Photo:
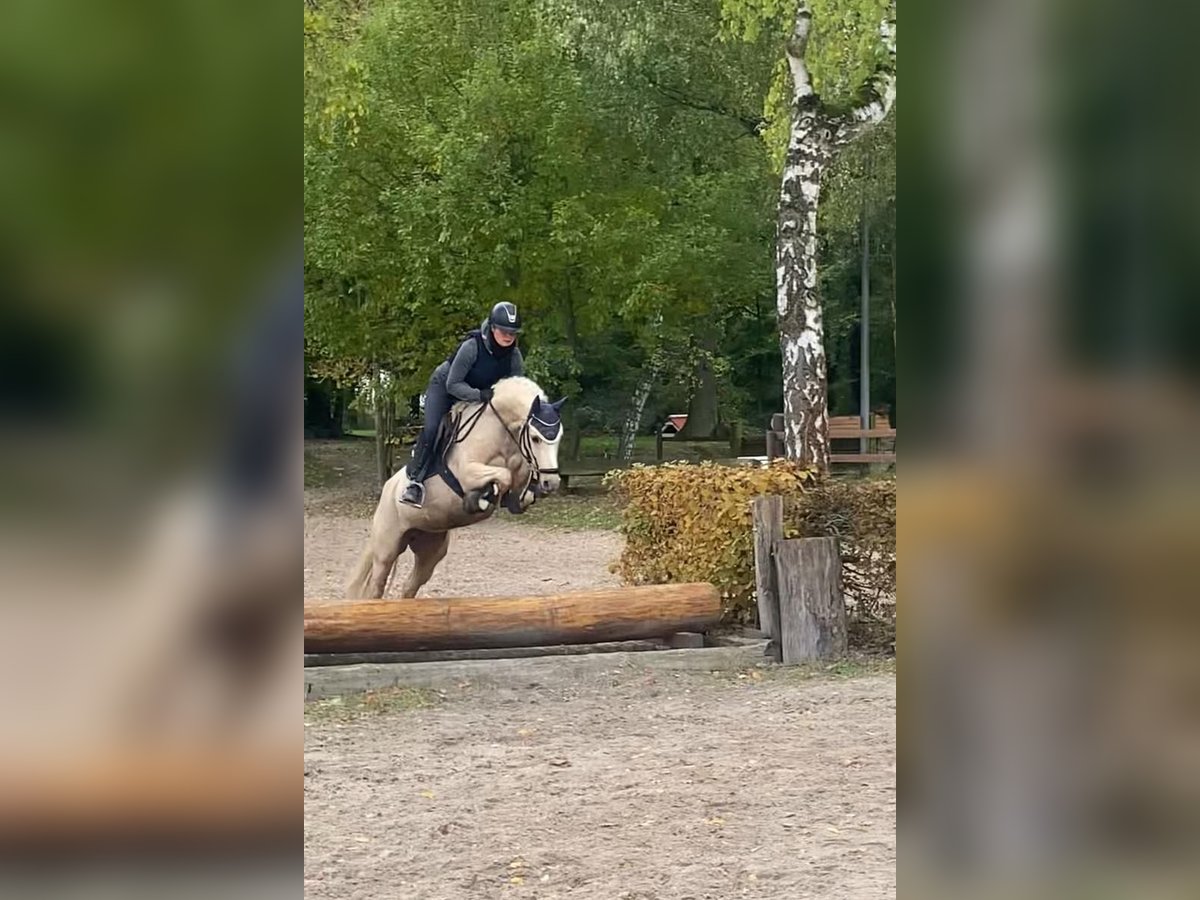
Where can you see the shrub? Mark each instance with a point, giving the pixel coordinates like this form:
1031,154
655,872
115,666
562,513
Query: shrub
686,522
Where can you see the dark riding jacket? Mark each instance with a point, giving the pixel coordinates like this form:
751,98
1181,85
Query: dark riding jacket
479,362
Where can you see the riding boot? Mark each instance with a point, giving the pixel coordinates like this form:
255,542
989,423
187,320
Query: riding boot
417,471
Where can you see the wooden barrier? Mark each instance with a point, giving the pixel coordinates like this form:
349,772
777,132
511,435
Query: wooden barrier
617,614
767,515
798,585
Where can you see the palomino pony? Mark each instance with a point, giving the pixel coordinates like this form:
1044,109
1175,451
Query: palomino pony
502,451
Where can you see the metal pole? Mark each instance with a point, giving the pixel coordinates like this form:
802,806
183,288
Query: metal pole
864,349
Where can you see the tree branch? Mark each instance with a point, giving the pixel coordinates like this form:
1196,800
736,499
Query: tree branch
754,125
877,94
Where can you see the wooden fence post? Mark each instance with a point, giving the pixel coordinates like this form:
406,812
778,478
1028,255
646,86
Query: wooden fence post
812,611
774,445
767,513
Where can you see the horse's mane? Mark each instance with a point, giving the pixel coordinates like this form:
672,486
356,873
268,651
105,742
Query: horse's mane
512,398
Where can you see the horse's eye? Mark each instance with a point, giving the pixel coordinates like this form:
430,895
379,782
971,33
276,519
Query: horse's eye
536,439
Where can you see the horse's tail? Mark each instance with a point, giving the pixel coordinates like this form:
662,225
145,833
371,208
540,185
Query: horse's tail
356,587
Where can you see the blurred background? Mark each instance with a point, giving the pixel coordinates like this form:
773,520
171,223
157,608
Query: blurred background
151,360
150,405
1049,721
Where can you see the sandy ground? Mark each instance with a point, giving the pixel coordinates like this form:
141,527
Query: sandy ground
628,785
654,786
500,557
495,558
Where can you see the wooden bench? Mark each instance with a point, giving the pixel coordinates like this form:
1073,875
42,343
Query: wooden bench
844,428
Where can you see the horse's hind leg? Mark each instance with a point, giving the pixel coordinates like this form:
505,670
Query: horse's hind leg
429,548
388,539
383,560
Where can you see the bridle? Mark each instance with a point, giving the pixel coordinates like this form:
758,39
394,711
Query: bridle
524,441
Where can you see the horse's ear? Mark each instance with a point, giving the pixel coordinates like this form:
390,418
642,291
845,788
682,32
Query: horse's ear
557,406
537,405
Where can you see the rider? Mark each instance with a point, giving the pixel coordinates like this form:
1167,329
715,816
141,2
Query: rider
488,354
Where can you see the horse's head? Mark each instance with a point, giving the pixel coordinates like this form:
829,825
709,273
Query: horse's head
545,430
531,418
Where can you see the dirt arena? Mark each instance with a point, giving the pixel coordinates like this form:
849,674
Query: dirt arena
629,783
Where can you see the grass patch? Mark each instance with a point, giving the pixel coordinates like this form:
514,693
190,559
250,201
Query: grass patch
608,444
371,703
605,446
593,510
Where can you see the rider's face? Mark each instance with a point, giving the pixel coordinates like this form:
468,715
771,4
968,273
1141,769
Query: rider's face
503,338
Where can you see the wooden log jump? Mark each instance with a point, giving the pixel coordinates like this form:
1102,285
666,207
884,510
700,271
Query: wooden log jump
585,617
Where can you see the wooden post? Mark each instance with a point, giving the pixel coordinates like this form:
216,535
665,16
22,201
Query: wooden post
768,531
658,443
776,448
735,439
812,612
774,445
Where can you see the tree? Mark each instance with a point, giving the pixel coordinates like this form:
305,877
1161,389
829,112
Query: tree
601,164
818,128
692,103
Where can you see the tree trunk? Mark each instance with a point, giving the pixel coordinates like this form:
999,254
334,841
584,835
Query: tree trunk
382,465
571,419
812,611
323,406
702,408
801,323
637,406
815,134
389,449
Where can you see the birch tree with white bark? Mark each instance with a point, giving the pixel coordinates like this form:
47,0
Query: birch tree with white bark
818,126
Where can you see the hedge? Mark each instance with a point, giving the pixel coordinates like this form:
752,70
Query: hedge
685,522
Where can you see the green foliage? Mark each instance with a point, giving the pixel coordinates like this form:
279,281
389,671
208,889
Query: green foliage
600,164
843,50
693,523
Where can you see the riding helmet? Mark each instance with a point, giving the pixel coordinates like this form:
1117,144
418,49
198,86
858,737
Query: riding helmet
504,316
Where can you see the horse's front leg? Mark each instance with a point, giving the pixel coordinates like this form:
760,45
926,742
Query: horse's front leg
483,487
517,504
